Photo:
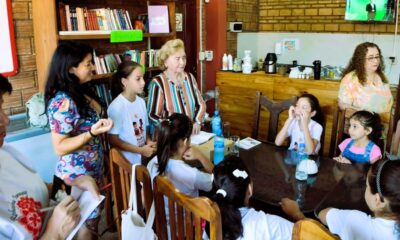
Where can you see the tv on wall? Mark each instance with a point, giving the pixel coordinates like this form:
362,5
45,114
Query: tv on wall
370,10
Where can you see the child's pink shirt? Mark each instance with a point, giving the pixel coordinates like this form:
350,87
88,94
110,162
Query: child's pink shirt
375,152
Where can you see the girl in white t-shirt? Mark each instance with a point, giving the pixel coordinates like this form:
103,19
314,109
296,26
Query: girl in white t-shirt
234,189
303,126
173,153
382,195
128,111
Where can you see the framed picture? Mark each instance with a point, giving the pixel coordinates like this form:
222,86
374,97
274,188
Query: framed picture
8,60
179,22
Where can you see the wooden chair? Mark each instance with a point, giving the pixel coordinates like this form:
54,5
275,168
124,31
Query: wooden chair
185,213
341,118
310,229
121,170
275,109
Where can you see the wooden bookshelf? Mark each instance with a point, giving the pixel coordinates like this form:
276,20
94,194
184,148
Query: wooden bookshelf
47,35
108,75
87,35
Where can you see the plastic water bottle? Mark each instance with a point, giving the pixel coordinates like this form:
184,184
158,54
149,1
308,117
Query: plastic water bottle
302,154
219,148
216,124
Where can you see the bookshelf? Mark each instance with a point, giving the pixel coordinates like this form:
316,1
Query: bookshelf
47,30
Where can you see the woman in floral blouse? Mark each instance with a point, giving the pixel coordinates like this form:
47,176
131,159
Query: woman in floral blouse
365,86
74,112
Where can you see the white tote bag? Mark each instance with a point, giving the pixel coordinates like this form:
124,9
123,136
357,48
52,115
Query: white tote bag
133,226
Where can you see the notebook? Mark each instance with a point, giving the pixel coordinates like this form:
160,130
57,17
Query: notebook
201,137
248,143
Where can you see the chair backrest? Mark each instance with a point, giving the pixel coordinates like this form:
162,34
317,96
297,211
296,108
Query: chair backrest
121,170
185,213
310,229
275,109
340,127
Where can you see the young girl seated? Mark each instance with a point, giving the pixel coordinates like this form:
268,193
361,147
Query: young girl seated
173,149
233,191
365,129
128,111
383,199
304,125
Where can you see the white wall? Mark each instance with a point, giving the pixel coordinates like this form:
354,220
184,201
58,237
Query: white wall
331,49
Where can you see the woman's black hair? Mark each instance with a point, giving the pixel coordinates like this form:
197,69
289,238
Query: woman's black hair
123,71
67,55
314,103
370,120
383,178
5,85
176,127
236,189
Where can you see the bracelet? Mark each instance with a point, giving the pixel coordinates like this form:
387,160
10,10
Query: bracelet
91,134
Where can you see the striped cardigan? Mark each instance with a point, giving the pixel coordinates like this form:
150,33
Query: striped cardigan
166,98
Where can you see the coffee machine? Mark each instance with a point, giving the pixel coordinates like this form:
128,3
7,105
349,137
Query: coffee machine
270,63
317,69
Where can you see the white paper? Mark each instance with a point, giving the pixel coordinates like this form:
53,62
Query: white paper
248,143
87,203
201,137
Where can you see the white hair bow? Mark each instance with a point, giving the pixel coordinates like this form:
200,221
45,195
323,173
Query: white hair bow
240,173
222,192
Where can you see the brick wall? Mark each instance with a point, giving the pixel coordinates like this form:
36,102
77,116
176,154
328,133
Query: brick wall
25,81
312,16
245,11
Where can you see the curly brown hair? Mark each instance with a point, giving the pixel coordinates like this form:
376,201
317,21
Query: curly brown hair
357,63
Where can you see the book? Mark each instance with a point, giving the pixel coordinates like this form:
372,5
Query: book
158,19
201,137
248,143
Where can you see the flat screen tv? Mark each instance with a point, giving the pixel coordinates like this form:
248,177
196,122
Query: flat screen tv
370,10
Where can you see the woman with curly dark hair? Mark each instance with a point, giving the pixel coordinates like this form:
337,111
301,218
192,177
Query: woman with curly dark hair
364,85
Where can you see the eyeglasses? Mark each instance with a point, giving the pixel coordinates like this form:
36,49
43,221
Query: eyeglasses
370,59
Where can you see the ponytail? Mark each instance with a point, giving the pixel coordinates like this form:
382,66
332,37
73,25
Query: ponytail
176,127
231,181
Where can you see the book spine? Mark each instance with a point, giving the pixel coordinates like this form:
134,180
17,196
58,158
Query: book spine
121,18
68,17
128,18
63,18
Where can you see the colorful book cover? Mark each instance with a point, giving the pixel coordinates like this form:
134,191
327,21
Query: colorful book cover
158,19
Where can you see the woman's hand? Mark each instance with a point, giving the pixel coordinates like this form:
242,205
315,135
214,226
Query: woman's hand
101,126
304,118
196,128
291,208
147,150
86,183
342,159
65,217
291,113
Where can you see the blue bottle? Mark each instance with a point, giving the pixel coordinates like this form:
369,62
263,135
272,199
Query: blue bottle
219,148
216,123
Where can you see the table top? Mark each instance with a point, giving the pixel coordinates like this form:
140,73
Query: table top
272,170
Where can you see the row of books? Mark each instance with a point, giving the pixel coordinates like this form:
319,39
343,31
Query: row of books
108,63
104,93
83,19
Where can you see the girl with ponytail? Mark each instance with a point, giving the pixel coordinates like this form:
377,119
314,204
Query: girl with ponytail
233,191
173,153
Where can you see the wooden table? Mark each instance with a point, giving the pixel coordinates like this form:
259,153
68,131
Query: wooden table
348,193
274,178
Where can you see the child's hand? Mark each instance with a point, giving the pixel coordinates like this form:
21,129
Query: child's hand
84,182
342,159
291,112
147,150
192,154
304,118
291,208
152,144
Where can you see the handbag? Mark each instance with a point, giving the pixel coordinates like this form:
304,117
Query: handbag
133,225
